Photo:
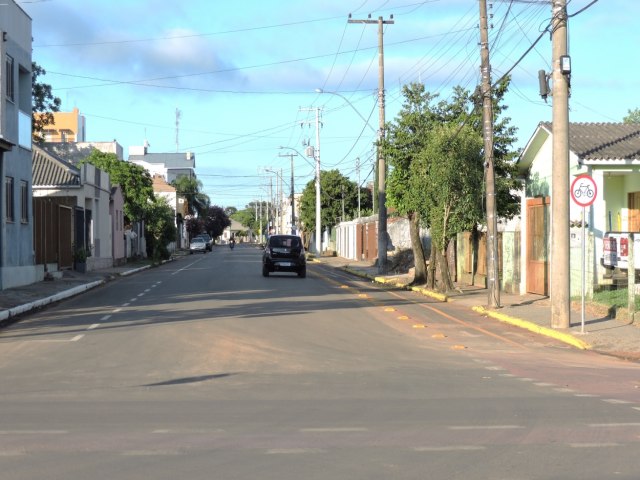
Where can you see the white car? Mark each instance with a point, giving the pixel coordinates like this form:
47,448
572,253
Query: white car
198,245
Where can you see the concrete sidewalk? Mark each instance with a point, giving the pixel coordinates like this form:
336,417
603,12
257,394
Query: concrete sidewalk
603,334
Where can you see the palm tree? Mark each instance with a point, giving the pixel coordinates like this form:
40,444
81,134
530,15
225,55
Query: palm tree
190,189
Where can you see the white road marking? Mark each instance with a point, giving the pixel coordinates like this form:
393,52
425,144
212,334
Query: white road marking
292,451
76,338
525,379
506,375
564,390
450,448
615,401
117,310
124,305
132,300
494,368
147,290
484,427
94,326
105,318
334,430
608,425
33,432
140,295
151,453
587,395
543,384
593,445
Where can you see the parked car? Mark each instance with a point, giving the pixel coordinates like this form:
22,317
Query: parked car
284,253
197,245
207,240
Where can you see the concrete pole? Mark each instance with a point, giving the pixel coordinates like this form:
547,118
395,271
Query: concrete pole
560,287
318,212
493,273
382,167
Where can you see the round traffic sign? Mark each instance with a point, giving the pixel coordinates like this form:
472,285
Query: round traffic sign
584,190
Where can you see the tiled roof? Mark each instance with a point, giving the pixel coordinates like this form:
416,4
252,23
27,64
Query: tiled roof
603,141
51,171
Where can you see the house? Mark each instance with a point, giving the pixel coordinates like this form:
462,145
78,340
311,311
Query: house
235,230
162,189
168,165
17,266
610,154
72,211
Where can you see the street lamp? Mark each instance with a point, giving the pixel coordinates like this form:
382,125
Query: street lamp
320,90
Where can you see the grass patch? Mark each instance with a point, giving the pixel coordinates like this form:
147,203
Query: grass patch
614,298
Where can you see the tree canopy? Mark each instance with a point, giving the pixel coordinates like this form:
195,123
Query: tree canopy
338,200
135,181
191,190
633,116
44,103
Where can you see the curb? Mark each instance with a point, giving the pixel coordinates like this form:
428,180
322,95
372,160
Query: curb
535,328
518,322
9,313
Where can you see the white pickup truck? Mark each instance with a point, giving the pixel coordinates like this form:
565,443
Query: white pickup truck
615,250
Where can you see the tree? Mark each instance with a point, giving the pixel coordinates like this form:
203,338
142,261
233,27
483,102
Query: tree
215,221
44,103
160,229
633,116
135,181
338,201
452,198
191,190
404,141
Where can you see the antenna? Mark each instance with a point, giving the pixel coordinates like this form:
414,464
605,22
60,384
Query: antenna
178,115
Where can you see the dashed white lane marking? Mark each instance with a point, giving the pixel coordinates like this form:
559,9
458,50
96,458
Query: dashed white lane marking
564,390
292,451
94,326
484,427
543,384
105,318
615,401
334,430
151,453
587,395
510,375
609,425
76,338
133,300
593,445
147,290
450,448
636,408
33,432
141,295
11,453
126,304
525,379
117,310
494,368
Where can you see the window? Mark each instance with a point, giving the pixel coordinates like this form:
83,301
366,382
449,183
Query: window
8,188
24,202
9,72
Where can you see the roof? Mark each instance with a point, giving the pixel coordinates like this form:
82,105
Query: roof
603,141
51,171
169,160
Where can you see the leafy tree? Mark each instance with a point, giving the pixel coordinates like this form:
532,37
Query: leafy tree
135,181
160,229
451,202
215,221
230,211
404,141
191,190
250,216
44,103
633,116
194,226
338,201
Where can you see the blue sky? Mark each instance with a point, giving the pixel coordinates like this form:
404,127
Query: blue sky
243,74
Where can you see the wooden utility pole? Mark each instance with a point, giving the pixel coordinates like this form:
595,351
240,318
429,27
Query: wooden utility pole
493,272
560,272
382,167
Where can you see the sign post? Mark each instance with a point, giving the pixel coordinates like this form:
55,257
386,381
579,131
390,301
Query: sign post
583,192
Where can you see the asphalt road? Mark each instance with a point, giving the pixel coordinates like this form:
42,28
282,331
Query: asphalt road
204,369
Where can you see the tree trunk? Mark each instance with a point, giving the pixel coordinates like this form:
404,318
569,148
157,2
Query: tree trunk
445,275
420,276
431,272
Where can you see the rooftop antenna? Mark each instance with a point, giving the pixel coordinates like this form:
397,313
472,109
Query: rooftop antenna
178,115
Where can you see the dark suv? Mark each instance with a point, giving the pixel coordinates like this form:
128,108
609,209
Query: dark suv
284,253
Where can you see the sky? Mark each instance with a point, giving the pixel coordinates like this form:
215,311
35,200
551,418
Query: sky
236,83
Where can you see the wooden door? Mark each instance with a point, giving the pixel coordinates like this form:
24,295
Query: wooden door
537,245
633,203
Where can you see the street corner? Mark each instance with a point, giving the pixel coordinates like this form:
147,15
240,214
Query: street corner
564,337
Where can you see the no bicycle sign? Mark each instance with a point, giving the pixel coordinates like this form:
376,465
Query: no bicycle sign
584,190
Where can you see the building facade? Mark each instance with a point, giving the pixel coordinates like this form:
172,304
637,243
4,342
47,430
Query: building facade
17,264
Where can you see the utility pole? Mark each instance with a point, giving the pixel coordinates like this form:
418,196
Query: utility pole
316,156
493,273
293,214
382,167
358,172
559,285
